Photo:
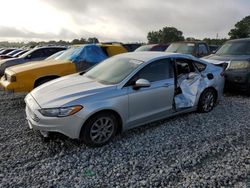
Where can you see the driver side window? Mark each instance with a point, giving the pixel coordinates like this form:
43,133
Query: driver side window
155,71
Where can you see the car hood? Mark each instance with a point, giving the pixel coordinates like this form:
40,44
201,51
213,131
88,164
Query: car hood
227,57
35,65
60,92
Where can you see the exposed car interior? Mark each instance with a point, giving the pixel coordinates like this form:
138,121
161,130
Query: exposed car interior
188,80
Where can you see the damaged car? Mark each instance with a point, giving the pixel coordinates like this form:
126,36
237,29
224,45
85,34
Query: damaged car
123,92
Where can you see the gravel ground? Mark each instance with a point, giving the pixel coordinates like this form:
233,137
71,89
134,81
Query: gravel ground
192,150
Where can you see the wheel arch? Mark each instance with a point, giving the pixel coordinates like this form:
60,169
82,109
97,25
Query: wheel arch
44,78
212,88
117,115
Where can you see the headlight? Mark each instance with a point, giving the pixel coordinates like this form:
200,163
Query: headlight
10,78
60,112
239,65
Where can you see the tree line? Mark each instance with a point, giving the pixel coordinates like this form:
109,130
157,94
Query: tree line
7,44
171,34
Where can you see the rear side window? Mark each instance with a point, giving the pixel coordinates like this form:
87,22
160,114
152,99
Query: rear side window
200,66
37,53
158,48
156,71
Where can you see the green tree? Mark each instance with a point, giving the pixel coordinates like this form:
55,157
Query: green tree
79,41
153,37
92,40
165,35
241,30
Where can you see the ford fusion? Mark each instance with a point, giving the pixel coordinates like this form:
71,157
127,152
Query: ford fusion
123,92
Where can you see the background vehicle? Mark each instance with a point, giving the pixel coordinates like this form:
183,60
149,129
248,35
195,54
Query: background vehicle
195,48
213,48
131,46
25,77
152,47
35,54
20,53
235,56
123,92
55,55
5,51
10,55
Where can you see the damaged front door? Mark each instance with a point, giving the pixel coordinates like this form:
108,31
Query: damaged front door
188,84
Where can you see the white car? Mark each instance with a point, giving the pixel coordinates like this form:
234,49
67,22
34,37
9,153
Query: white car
123,92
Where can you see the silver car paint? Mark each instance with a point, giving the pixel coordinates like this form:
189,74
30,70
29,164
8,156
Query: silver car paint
135,107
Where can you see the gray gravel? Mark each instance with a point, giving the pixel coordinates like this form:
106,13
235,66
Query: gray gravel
192,150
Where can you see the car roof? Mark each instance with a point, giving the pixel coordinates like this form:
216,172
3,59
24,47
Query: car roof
197,41
150,55
45,47
238,40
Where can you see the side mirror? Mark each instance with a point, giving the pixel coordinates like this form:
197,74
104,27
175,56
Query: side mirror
141,83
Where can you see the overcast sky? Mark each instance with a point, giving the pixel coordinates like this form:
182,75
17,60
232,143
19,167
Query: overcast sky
116,20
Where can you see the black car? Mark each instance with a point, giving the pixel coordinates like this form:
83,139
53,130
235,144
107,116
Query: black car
6,51
36,54
235,56
152,47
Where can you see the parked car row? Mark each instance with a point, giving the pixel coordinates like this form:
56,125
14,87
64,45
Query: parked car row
104,91
25,77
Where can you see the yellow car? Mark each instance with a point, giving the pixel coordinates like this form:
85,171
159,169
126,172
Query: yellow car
25,77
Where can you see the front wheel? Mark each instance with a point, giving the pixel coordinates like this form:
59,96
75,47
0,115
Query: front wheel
207,101
99,129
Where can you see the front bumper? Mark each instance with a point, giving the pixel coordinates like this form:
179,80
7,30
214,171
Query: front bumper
11,87
69,126
237,80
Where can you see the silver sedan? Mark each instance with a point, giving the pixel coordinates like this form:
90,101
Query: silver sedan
124,92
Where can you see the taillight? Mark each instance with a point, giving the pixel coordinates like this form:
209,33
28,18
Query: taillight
222,74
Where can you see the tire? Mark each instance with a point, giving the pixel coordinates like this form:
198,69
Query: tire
207,101
93,131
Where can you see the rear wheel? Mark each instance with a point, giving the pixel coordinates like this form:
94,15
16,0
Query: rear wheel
99,129
207,101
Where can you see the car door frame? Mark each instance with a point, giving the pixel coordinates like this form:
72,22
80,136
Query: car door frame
153,117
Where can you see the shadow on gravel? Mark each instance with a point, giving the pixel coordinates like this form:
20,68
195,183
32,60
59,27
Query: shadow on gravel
233,93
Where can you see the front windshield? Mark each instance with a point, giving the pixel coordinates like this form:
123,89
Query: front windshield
183,48
69,54
113,70
235,48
